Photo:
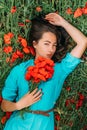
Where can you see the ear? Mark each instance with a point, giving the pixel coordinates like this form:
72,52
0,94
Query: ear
34,44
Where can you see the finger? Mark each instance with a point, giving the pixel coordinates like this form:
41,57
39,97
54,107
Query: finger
38,98
52,22
34,91
50,19
38,93
49,15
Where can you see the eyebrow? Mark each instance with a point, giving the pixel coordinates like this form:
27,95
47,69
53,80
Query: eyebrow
50,42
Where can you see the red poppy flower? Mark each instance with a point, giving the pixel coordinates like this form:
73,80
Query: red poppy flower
19,38
7,49
32,51
13,9
7,38
79,104
21,24
3,119
10,34
72,100
8,114
19,53
68,88
1,99
81,96
38,9
16,55
27,21
7,59
57,117
78,13
23,42
26,50
69,11
67,103
43,61
84,10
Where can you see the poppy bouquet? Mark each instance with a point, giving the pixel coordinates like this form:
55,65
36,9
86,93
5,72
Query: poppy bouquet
40,72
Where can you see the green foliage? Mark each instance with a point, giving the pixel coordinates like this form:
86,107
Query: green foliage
70,117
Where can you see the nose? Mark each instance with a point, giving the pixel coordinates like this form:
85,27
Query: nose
51,50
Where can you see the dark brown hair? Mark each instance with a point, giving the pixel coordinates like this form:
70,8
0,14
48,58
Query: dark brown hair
39,26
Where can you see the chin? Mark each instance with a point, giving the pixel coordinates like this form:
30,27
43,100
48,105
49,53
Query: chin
48,57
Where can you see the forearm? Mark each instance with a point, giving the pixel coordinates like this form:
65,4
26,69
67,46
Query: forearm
8,106
75,34
27,100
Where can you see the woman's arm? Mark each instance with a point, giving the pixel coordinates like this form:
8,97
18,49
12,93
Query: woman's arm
27,100
76,35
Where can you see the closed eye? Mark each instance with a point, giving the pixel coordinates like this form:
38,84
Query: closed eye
46,43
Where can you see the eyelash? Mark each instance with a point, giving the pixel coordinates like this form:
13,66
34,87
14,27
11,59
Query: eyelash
48,44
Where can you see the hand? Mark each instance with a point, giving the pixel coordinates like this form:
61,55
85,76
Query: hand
29,99
55,19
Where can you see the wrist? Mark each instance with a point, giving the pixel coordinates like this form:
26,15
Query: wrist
17,105
64,24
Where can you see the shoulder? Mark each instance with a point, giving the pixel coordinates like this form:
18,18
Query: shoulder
22,66
71,60
68,63
26,64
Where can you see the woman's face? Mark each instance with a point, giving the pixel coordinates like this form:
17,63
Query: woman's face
46,46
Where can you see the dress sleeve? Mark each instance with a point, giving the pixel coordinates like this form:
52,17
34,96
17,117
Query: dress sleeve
9,91
69,63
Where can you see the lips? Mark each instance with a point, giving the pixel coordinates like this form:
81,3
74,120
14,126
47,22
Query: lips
49,55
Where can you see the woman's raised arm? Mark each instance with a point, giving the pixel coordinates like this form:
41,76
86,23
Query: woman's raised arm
75,34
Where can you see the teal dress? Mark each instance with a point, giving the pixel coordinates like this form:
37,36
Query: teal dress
16,87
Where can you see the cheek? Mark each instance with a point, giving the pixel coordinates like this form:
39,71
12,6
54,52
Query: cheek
54,49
